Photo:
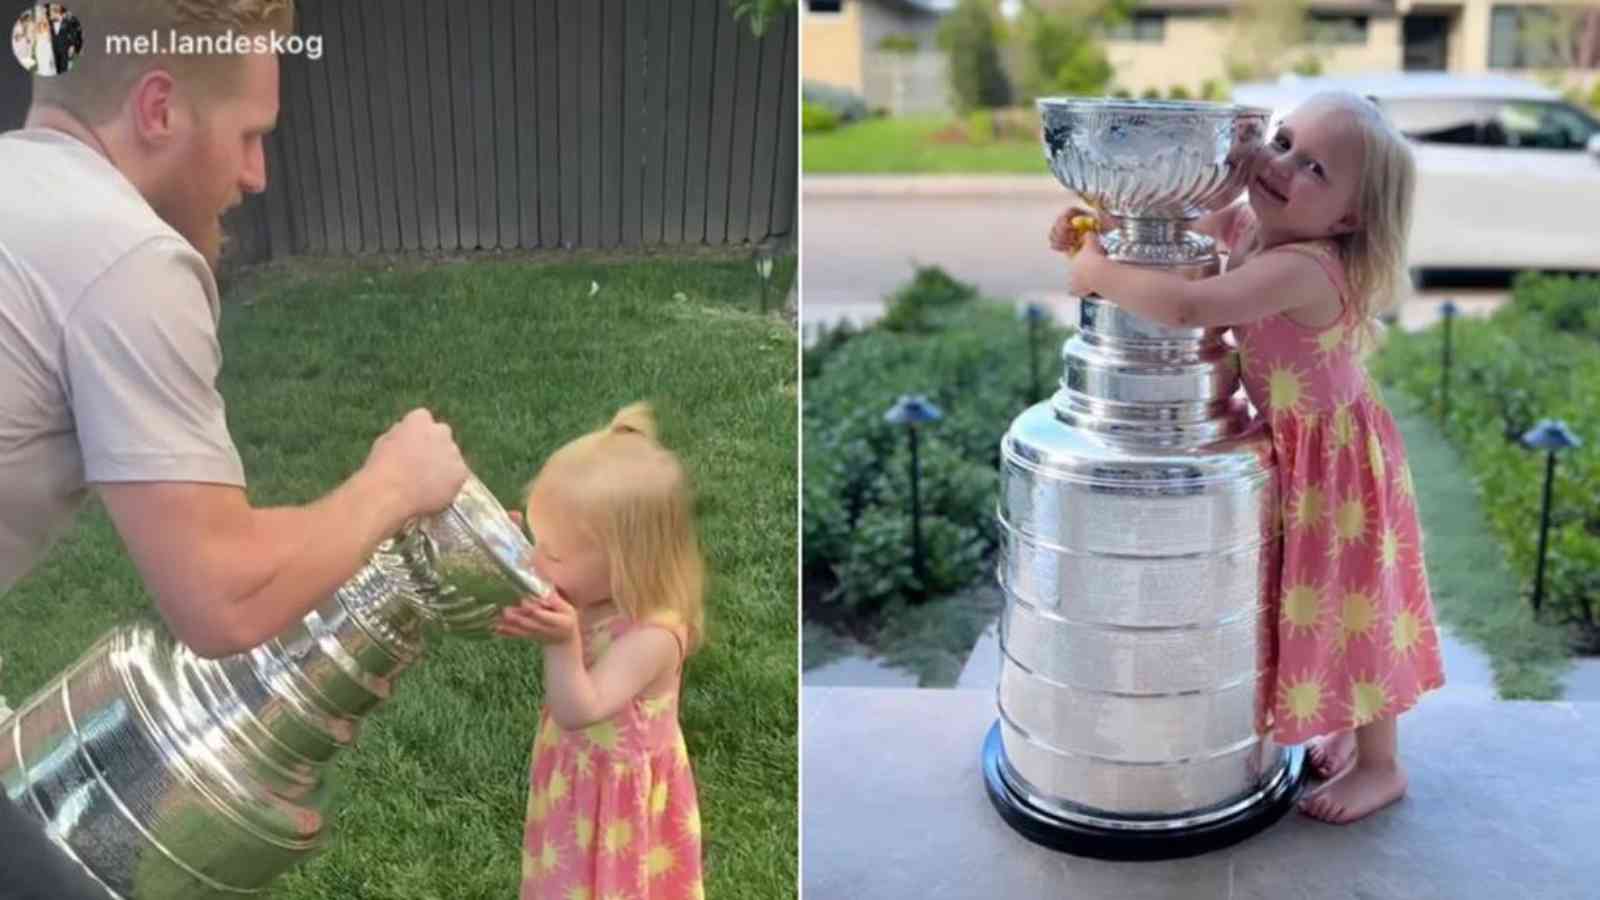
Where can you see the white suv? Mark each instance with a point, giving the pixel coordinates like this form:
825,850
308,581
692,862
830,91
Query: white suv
1508,172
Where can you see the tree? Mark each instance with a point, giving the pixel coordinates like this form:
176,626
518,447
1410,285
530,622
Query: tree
1563,37
969,36
1061,47
1262,34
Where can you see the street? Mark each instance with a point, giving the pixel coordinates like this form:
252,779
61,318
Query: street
861,237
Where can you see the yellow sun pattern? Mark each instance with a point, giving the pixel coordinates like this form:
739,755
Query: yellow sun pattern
1341,430
653,707
604,734
1358,615
1408,489
557,788
549,857
1375,457
579,892
1285,391
1328,343
658,798
1389,549
1405,632
583,831
659,861
1302,608
691,822
618,835
1368,699
1349,524
1302,699
1307,508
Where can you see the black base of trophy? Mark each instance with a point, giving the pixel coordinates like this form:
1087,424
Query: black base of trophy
1137,844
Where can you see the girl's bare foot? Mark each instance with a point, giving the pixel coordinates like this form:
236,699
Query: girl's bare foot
1364,791
1330,756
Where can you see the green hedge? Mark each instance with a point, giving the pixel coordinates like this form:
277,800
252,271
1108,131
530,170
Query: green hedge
971,359
1537,357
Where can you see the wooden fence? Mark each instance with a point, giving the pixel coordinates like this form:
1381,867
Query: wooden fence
500,124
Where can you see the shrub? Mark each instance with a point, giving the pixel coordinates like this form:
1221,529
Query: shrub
1061,54
1178,92
1594,96
899,43
1508,372
980,127
844,103
817,118
930,289
1211,89
969,34
970,359
1566,303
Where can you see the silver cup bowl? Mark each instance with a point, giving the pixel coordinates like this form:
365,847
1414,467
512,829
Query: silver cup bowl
1153,165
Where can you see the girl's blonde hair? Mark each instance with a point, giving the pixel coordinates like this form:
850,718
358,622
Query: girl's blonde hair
1374,255
633,495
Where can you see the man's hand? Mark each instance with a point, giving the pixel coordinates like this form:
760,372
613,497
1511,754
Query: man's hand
419,459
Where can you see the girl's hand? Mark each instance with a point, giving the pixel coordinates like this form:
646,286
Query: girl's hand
1066,235
550,620
1083,274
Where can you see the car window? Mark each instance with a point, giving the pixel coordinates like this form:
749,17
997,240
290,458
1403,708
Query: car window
1536,124
1545,126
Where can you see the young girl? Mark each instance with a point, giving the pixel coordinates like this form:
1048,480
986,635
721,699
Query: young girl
612,809
1318,251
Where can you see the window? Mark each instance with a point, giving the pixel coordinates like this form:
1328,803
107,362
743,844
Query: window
1330,28
1530,124
1146,28
825,7
1535,37
1539,125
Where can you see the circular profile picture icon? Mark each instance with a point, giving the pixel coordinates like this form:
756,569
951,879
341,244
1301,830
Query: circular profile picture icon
47,39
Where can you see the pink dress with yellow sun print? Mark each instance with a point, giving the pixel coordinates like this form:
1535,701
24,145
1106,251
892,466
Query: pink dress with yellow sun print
1356,637
612,809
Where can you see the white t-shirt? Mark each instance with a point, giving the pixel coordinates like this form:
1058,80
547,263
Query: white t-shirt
108,344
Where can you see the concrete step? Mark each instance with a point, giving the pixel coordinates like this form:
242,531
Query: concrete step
1500,805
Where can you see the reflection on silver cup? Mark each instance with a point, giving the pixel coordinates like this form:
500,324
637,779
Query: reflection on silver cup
171,776
1138,508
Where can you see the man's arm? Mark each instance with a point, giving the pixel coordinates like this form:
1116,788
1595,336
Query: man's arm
227,577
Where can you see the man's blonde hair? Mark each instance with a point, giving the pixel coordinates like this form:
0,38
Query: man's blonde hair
98,84
632,495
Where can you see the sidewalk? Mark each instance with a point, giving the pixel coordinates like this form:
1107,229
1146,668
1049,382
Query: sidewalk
1499,807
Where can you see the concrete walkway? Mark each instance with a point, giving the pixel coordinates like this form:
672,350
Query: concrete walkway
1500,806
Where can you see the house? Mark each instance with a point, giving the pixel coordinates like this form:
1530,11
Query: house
1185,43
839,38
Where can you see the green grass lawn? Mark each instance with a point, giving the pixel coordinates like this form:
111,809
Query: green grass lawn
905,145
323,355
1474,590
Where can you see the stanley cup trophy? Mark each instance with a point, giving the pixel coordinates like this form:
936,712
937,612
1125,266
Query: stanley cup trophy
171,776
1138,509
